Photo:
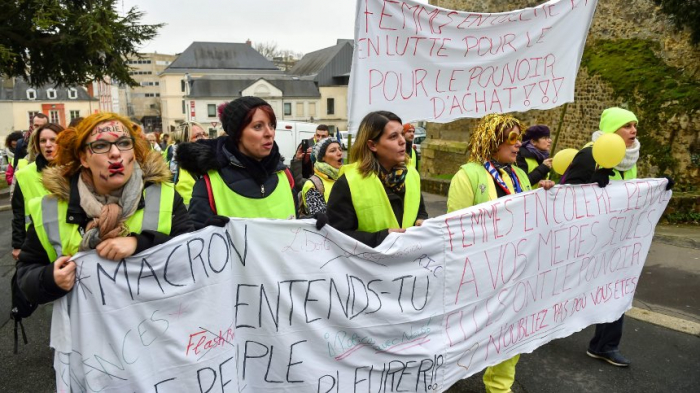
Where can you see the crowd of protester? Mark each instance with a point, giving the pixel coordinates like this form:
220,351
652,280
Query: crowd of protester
87,187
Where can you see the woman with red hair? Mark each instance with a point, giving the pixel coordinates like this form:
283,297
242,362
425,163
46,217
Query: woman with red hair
242,174
107,192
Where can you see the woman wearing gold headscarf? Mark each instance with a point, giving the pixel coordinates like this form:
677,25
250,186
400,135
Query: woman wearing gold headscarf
490,174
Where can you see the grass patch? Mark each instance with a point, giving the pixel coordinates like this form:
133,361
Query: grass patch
655,91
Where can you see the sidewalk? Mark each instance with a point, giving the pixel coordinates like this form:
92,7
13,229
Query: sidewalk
5,199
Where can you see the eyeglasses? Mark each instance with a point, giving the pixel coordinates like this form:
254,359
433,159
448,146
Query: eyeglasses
102,147
514,137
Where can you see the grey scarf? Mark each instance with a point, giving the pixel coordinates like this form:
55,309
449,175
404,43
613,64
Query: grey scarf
108,212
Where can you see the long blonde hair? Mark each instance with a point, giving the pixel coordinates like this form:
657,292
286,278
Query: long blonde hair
187,130
371,129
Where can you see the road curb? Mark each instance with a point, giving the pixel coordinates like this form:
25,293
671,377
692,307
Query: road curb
677,241
666,321
5,208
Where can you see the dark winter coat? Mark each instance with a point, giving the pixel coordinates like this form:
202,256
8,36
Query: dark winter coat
537,174
200,157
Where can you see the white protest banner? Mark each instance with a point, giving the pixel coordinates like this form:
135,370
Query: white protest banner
263,305
430,63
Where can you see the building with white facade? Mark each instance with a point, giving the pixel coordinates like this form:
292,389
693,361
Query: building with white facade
211,60
19,102
329,69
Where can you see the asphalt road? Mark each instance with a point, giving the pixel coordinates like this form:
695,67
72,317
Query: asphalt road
663,360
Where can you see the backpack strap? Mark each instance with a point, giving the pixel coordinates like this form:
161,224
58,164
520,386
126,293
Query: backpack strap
212,202
289,176
318,183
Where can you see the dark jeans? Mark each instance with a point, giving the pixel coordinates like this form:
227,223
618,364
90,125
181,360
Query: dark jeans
607,337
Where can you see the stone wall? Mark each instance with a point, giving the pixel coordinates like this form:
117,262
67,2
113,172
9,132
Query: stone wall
446,147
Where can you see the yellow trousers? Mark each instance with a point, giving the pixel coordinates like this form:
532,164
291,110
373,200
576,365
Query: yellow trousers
500,378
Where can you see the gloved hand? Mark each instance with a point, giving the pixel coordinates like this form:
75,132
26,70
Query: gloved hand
217,221
321,220
602,177
670,183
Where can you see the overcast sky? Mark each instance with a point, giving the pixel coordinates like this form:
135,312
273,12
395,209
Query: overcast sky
297,25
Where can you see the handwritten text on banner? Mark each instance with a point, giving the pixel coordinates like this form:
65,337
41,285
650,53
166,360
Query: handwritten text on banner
264,305
429,63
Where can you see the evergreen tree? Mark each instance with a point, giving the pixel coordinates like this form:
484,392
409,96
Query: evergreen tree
68,42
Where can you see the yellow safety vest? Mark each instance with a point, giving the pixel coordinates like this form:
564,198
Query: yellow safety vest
413,160
327,186
372,205
483,184
62,238
184,186
29,181
21,163
279,204
532,164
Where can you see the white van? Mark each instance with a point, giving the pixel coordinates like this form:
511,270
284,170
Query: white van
289,135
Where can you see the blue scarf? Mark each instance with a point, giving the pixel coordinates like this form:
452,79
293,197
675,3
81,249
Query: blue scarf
493,169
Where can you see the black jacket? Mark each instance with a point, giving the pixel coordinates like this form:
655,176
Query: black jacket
307,167
200,157
18,231
295,166
537,174
20,151
342,216
35,271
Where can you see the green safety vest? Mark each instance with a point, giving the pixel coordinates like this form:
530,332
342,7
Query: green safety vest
279,204
372,205
413,161
62,238
483,184
21,163
29,181
532,164
327,185
629,174
184,186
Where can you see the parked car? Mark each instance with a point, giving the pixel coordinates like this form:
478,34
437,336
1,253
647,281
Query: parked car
343,139
289,135
416,142
421,134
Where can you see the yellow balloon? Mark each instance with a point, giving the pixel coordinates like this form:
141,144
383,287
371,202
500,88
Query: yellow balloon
562,160
609,150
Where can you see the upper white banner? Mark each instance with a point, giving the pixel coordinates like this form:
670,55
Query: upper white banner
276,305
429,63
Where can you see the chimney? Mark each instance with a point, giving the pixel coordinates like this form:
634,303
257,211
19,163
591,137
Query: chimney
248,42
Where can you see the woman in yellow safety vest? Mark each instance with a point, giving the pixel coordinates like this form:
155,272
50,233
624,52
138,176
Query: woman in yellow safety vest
242,174
376,193
490,174
184,181
533,156
327,157
108,192
605,344
28,181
